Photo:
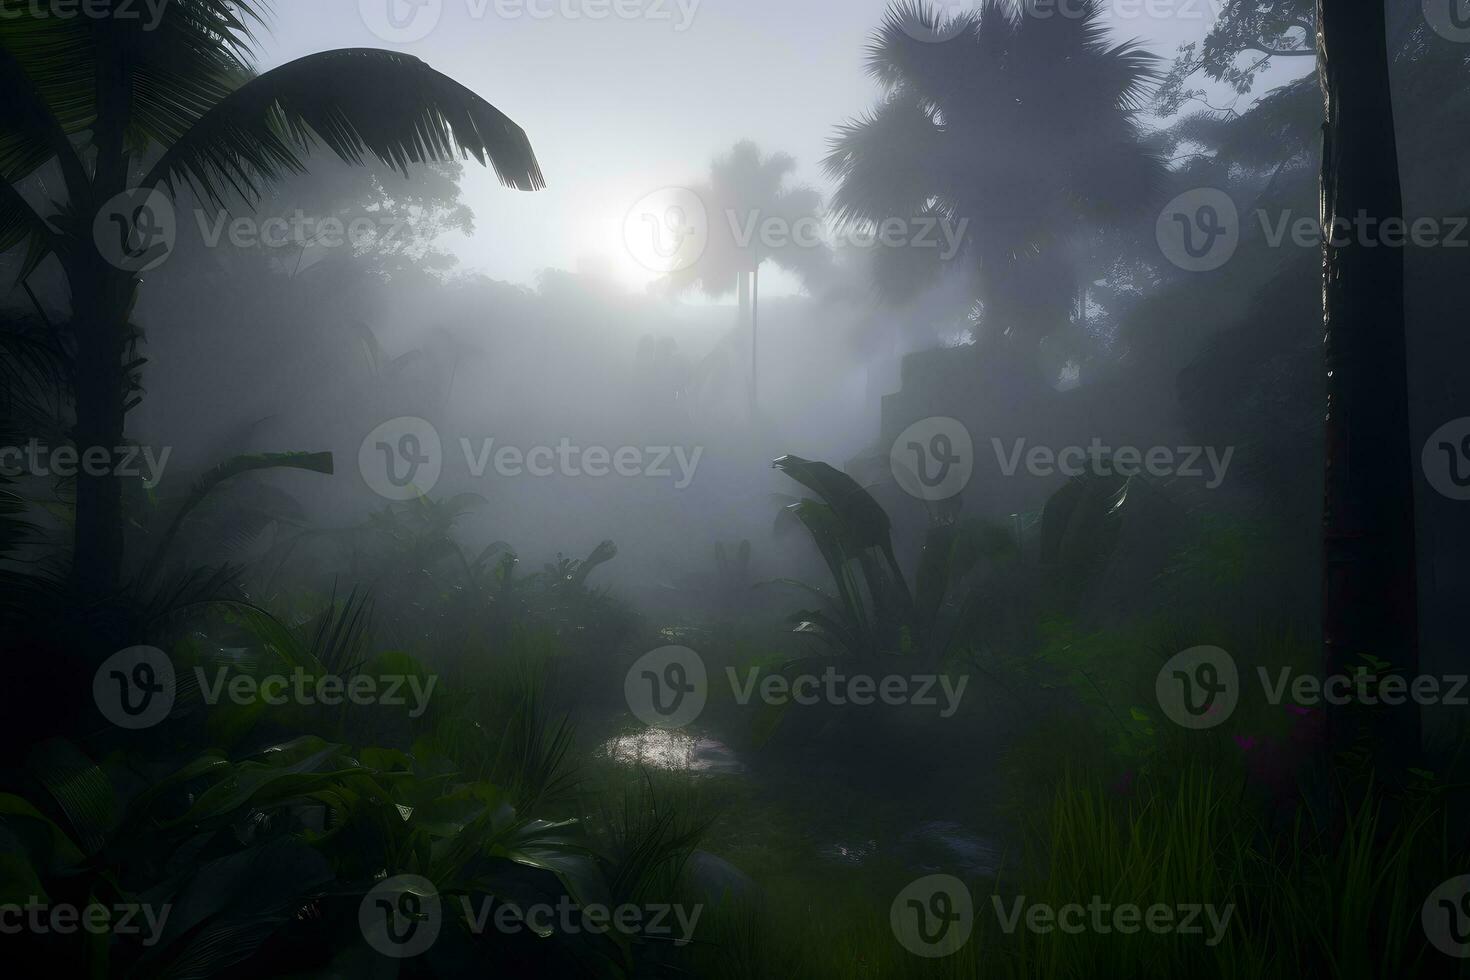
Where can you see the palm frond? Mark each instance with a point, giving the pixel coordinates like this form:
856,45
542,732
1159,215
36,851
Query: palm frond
48,70
1022,127
918,43
356,101
884,161
314,462
19,222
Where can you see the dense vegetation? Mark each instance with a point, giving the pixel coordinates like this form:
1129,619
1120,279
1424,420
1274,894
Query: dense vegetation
188,750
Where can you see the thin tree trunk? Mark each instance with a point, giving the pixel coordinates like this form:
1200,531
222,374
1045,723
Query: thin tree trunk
101,392
755,282
1369,595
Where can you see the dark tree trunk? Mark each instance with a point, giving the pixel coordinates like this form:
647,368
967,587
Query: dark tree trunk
102,302
1369,602
101,393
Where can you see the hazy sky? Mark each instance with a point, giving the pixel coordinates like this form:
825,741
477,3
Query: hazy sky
623,97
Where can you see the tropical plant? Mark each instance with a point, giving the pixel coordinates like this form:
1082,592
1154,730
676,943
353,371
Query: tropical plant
875,612
260,847
1078,531
210,480
243,849
409,556
1260,29
496,720
130,113
746,190
56,636
34,367
1017,131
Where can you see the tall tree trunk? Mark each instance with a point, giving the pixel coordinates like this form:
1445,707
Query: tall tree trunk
102,302
1369,600
742,293
101,392
755,292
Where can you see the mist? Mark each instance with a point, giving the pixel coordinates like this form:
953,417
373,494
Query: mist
644,488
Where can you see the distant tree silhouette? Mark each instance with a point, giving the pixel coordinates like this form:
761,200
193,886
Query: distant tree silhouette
745,194
1258,29
1023,127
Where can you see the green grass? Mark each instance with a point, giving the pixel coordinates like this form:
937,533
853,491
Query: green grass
1312,901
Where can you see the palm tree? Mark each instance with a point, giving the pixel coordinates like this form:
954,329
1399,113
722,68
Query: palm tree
106,114
1015,130
745,194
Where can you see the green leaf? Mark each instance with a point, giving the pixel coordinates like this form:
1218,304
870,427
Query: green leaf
862,520
79,787
247,463
32,847
356,101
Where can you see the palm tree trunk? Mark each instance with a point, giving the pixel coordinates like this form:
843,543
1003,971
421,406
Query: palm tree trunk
742,293
101,392
755,282
1369,600
102,302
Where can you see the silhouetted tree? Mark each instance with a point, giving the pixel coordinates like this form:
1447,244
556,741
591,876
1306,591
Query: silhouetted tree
1016,130
1258,29
119,106
754,217
1368,512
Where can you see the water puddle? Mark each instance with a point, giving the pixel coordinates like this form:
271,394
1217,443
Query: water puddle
679,751
853,853
941,845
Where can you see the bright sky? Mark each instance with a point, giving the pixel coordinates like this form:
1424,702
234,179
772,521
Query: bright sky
624,97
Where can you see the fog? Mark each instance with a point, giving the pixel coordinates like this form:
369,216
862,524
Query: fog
847,485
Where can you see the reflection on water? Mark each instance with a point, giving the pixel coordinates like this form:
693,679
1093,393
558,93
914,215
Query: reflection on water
940,845
851,853
666,749
932,846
